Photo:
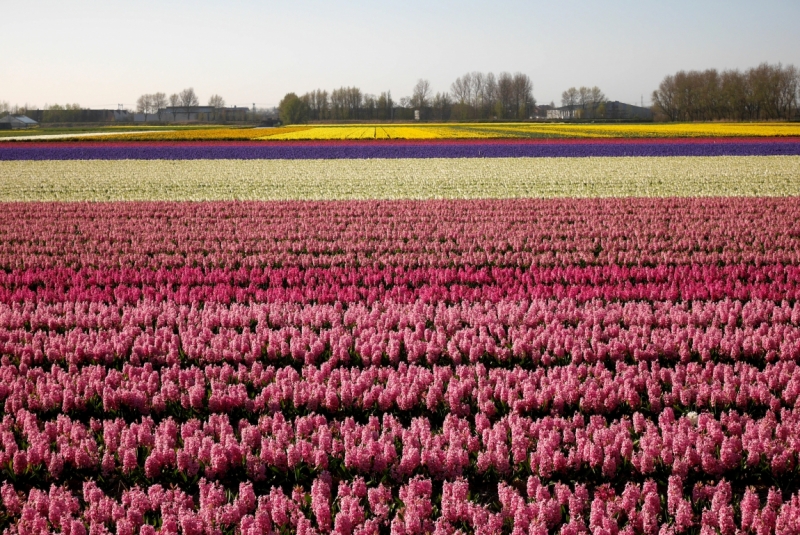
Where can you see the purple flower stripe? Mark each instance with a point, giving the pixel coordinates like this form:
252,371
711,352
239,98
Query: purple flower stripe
364,151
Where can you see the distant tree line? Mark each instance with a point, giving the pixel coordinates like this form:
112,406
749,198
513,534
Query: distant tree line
346,103
474,96
151,103
154,103
57,113
483,96
766,92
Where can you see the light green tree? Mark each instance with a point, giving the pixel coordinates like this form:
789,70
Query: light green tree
292,110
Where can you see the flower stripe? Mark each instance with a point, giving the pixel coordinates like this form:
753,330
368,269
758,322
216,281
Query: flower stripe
305,151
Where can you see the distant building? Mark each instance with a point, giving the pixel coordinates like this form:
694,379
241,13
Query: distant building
540,111
606,110
620,110
191,114
170,114
80,116
564,112
15,121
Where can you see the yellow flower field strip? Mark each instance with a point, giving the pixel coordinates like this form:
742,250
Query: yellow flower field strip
538,130
322,133
646,130
434,178
467,131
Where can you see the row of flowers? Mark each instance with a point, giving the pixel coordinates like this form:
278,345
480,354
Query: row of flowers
178,364
456,131
417,507
36,143
517,130
737,446
462,390
469,131
191,135
508,333
400,178
405,234
186,286
214,151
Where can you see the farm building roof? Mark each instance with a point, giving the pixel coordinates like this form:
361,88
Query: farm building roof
13,118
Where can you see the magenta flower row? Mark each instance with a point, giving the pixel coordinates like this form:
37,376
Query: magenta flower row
187,286
406,234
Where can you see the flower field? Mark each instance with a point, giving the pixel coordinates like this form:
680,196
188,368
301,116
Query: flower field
202,180
463,131
363,337
551,130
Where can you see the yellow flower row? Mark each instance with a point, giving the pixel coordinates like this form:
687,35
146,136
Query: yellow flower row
644,130
471,131
389,132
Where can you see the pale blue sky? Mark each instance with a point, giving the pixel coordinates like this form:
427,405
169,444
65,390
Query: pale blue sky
100,53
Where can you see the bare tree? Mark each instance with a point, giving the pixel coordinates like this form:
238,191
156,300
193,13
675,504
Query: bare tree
337,104
159,101
355,99
345,103
461,88
523,96
596,98
421,95
569,98
383,108
216,101
369,106
766,92
584,98
317,104
665,98
505,93
441,107
478,91
174,100
322,104
144,104
490,95
480,95
189,98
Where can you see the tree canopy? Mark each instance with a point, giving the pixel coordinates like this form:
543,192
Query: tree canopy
292,110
